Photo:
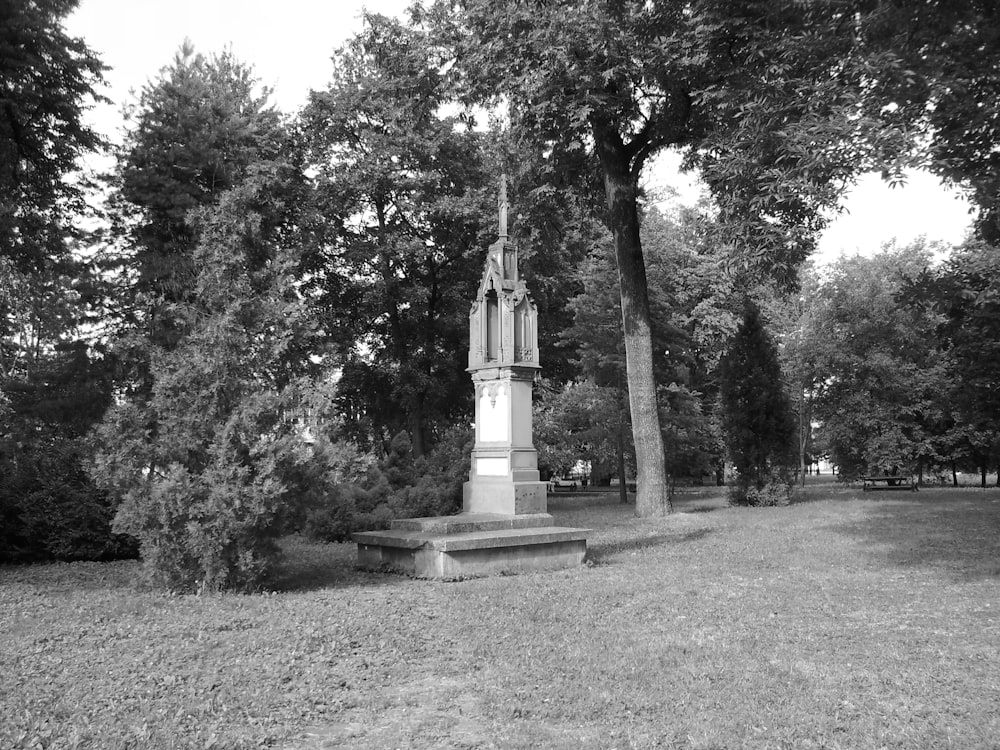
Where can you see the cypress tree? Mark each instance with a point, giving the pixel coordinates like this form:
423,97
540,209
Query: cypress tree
756,412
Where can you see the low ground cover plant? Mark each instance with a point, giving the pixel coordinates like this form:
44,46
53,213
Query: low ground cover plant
838,621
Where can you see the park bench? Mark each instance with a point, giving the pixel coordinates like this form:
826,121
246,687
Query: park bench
891,483
567,483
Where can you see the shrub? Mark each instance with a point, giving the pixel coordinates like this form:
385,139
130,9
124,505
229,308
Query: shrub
50,509
399,487
208,513
209,521
776,490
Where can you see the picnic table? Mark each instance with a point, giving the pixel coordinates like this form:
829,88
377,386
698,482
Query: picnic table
892,482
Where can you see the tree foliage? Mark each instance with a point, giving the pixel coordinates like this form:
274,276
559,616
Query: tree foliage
53,382
676,287
196,131
879,373
401,193
937,81
960,298
209,468
47,80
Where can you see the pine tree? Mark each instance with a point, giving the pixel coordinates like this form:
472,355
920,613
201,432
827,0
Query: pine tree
196,131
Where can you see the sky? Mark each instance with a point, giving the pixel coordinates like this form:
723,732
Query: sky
290,42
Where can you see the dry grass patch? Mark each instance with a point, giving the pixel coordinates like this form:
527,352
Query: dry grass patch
844,621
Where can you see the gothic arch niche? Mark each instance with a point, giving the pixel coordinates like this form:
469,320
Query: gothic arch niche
492,326
523,331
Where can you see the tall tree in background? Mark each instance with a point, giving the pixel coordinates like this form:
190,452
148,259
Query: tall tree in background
795,326
760,95
756,414
53,385
195,131
883,388
671,247
47,80
401,192
962,295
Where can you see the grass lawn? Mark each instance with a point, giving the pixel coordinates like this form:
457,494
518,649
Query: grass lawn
846,620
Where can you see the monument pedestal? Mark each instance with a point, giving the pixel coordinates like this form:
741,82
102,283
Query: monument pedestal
470,545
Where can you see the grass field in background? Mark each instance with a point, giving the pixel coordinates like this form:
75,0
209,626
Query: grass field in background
845,620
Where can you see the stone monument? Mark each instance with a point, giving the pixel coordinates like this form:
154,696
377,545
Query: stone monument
503,360
504,526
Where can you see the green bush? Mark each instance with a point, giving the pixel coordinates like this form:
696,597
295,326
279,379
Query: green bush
347,508
776,490
210,523
50,509
208,514
399,487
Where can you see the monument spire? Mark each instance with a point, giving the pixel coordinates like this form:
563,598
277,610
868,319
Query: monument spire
502,200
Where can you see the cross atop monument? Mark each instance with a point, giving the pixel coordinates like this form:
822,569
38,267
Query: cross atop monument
502,254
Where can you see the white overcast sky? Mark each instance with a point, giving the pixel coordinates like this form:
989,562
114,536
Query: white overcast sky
289,43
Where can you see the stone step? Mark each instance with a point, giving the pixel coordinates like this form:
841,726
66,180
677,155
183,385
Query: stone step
455,542
464,523
471,554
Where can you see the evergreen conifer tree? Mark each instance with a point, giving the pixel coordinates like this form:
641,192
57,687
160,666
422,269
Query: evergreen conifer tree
756,413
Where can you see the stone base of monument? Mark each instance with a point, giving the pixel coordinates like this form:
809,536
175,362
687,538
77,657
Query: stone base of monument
471,545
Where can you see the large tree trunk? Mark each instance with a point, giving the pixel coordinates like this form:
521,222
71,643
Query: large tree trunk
622,484
620,182
803,435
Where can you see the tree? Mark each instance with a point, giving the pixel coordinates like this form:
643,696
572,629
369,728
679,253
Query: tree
960,295
212,466
937,78
756,415
401,192
204,449
577,422
53,382
672,248
196,131
760,95
47,80
796,329
595,335
882,398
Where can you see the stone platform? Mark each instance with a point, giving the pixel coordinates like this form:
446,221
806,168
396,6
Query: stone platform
470,545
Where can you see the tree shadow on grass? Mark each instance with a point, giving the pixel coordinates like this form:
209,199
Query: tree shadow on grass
309,566
957,532
601,553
